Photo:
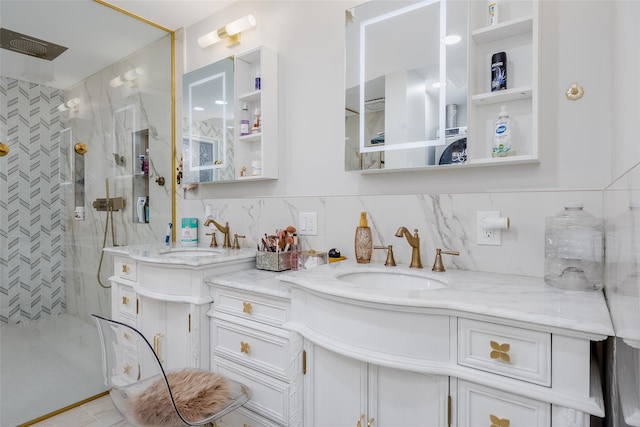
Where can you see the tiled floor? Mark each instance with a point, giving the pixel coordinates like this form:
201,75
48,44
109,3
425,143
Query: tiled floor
46,365
97,413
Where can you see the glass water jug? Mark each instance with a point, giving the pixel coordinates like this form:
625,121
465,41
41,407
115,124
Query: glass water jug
574,250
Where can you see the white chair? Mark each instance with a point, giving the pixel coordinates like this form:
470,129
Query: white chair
146,395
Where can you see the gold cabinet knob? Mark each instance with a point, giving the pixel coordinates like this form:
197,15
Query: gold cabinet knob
127,369
125,300
499,422
500,351
247,307
125,268
244,347
574,92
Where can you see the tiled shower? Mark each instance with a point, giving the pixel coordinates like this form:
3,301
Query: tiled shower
32,277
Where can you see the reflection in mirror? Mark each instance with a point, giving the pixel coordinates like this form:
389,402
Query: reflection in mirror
208,123
404,83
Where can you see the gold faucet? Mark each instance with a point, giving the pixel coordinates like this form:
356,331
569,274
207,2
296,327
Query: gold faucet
437,264
224,230
414,242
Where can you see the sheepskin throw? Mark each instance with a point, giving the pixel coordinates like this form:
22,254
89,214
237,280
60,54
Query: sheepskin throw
197,393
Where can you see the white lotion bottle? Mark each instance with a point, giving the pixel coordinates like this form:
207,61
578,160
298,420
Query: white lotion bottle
502,131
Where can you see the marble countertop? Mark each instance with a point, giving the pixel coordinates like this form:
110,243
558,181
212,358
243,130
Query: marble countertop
513,297
259,281
201,256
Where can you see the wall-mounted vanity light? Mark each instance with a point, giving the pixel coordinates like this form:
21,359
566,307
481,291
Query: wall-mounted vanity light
73,104
231,31
130,77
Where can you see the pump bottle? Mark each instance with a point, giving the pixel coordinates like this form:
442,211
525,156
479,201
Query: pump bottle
502,134
363,240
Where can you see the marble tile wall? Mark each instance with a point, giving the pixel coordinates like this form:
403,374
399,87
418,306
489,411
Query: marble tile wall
32,278
446,221
107,119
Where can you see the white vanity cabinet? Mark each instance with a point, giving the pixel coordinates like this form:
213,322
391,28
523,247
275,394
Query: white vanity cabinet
359,393
249,345
468,353
164,296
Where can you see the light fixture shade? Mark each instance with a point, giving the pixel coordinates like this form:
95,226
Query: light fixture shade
133,74
240,25
208,39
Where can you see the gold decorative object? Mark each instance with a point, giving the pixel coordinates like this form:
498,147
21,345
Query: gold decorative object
4,149
574,92
247,307
499,422
500,352
81,148
244,347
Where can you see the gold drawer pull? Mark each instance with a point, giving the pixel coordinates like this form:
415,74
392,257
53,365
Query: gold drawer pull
244,347
156,345
370,422
499,422
125,300
247,307
125,268
360,418
500,351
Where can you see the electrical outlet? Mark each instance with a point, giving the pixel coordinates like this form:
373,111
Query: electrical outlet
488,236
308,223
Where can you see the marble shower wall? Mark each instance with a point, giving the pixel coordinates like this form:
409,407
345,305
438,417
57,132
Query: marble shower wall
446,221
106,121
32,277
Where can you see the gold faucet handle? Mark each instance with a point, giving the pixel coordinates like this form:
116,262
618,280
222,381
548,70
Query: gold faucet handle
236,245
390,261
214,240
437,264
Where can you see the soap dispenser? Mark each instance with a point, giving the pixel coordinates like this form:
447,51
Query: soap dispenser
363,240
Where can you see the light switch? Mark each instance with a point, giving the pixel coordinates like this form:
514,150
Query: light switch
308,223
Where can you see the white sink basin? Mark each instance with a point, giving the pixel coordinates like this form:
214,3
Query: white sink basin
391,281
191,252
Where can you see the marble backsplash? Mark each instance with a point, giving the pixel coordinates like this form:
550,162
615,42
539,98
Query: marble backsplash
446,221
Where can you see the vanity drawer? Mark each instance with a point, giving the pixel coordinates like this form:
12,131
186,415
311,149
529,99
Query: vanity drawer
125,268
514,352
270,397
126,302
484,406
262,351
260,308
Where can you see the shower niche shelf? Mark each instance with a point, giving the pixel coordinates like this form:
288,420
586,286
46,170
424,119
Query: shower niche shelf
140,173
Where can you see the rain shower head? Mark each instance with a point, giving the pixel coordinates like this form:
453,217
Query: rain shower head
30,46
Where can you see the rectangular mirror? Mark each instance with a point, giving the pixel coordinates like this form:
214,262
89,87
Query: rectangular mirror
208,117
406,84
